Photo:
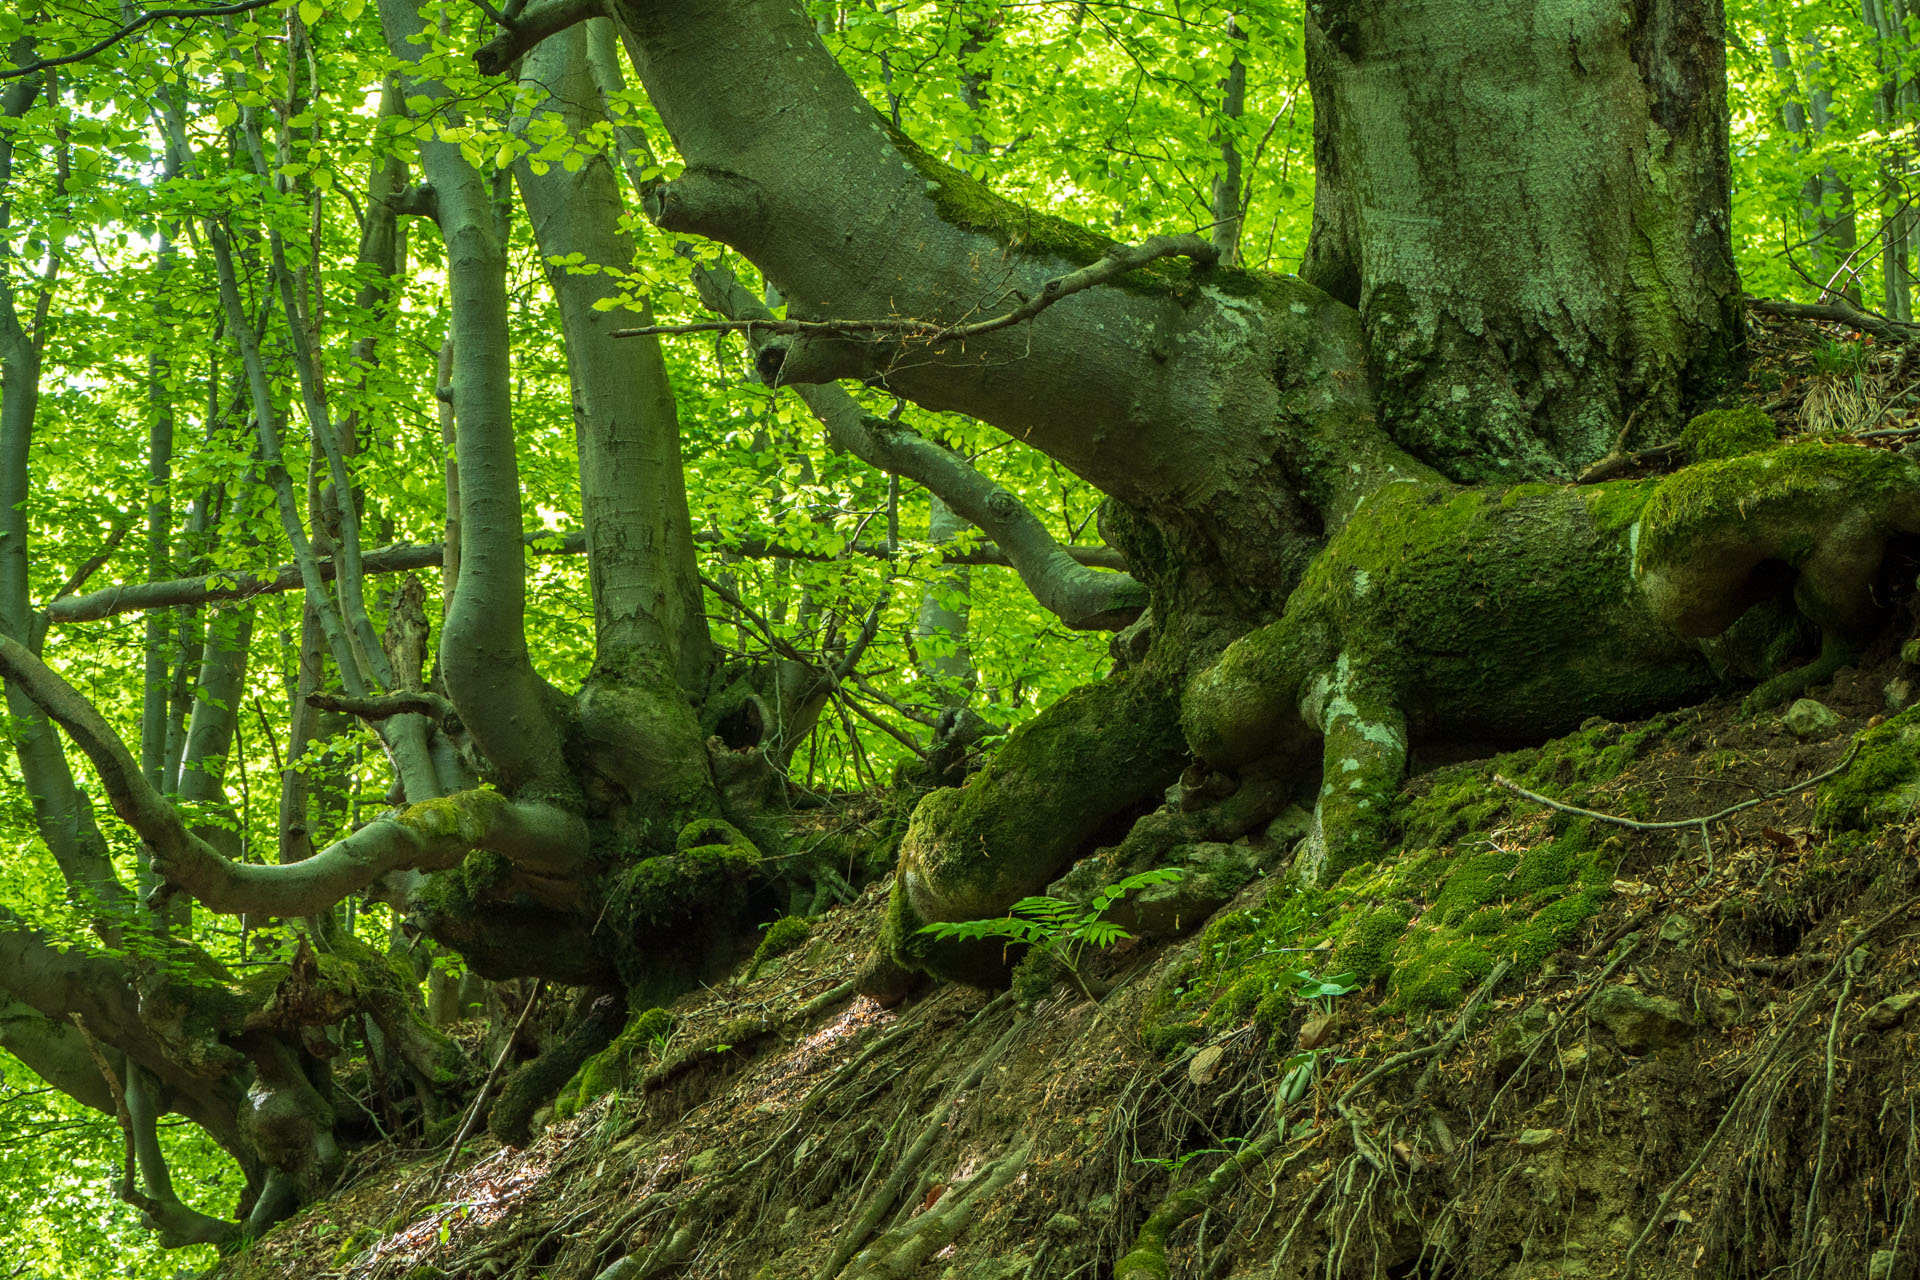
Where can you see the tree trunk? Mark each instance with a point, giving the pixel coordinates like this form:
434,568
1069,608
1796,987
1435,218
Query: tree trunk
1540,252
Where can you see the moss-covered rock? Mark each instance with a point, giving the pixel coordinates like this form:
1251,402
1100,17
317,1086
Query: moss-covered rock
1728,433
1883,782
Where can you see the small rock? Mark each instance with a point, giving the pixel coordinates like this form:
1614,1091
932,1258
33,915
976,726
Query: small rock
1880,1265
1809,719
1204,1066
1639,1022
1062,1224
1293,823
1889,1012
1314,1033
1910,653
1723,1006
1573,1057
1534,1137
1677,930
1898,693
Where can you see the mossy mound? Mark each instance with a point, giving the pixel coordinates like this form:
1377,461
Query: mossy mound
782,936
1477,877
644,1036
1883,782
1728,433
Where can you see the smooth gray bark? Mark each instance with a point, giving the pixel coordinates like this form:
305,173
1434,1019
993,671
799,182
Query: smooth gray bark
483,651
646,588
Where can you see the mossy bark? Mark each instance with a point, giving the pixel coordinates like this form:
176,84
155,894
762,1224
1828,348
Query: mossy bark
1537,264
1062,779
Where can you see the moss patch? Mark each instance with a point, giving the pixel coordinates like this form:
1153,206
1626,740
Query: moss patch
782,936
1477,877
644,1037
1883,782
1728,433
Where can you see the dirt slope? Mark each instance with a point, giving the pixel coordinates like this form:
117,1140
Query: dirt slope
1715,1075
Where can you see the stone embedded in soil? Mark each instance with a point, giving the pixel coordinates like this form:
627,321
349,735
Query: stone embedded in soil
1889,1012
1640,1023
1898,693
1677,929
1808,719
1534,1137
1205,1065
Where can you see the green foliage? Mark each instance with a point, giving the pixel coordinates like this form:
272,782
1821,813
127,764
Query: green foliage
1060,931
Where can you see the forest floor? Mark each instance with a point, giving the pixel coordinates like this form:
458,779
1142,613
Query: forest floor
1717,1075
1578,1046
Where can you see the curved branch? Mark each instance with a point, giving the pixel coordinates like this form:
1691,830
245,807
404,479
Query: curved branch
535,24
540,839
1161,383
133,797
1083,598
404,557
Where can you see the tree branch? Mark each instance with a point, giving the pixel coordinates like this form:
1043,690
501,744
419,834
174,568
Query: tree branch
1080,597
1838,313
383,706
1118,262
144,20
540,839
535,24
133,798
403,557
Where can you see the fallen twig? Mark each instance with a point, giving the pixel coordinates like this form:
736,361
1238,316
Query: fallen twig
1678,823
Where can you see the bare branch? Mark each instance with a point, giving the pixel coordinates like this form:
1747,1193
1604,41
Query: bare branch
1839,313
1116,263
1081,598
404,557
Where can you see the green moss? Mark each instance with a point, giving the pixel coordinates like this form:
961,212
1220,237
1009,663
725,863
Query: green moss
1883,782
1497,612
1464,888
1728,433
970,853
482,871
707,832
1783,498
642,1038
782,936
671,889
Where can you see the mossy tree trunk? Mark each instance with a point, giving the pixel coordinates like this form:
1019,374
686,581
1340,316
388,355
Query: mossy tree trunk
1529,207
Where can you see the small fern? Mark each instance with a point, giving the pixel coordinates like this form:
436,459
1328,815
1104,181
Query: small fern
1064,930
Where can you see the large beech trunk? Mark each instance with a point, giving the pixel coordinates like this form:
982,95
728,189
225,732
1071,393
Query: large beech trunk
1529,205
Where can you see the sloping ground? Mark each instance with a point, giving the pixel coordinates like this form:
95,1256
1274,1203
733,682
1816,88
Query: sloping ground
1713,1074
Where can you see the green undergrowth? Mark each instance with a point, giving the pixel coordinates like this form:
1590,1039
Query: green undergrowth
1476,876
